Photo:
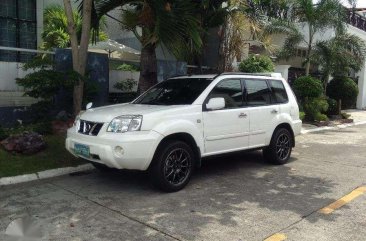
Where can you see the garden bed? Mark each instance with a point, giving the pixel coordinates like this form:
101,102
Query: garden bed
55,156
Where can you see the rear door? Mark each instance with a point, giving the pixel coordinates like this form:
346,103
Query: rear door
263,111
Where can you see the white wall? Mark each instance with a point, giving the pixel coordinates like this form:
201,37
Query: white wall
118,75
10,93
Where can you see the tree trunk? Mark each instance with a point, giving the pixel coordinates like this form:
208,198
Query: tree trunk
308,54
79,54
148,68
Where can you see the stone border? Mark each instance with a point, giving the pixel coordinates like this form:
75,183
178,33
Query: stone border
44,174
325,128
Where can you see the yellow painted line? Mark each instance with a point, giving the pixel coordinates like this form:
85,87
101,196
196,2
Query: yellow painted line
344,200
276,237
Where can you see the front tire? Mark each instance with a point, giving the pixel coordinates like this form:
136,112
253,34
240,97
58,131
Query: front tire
101,167
172,166
279,150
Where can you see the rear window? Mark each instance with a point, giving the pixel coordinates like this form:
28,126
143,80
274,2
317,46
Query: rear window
178,91
279,94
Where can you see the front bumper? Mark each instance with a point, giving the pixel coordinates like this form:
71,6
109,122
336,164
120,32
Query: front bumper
138,147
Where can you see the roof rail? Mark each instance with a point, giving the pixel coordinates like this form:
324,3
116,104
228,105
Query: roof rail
278,75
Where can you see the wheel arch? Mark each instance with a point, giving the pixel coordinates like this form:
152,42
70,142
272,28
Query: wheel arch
289,128
185,137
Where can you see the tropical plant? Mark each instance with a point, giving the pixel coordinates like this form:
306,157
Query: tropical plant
171,23
257,64
339,55
318,17
55,33
344,89
210,14
253,21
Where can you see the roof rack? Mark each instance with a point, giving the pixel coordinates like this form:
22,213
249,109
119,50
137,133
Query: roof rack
278,75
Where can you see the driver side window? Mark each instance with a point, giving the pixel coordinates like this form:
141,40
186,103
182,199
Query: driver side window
231,91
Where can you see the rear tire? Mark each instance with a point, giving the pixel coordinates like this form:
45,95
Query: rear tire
279,150
172,166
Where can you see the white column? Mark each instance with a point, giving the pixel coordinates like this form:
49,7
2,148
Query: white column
361,99
39,9
283,69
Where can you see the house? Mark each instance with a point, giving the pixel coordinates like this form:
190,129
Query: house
356,25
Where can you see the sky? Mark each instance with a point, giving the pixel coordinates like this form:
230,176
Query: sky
360,3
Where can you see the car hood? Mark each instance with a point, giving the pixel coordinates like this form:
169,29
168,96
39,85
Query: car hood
107,113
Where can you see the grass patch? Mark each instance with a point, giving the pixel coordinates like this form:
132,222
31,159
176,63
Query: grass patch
55,156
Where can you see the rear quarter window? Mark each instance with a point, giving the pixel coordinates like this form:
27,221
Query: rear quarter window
279,94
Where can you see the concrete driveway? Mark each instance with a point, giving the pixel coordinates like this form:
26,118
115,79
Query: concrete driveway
233,197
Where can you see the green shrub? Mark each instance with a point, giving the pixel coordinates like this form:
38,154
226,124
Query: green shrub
302,115
128,67
344,89
320,117
43,128
307,87
314,108
125,85
332,107
256,64
3,133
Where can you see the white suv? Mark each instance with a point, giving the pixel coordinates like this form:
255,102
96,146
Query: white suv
169,128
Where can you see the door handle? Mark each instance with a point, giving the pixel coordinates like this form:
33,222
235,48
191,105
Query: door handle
242,115
274,111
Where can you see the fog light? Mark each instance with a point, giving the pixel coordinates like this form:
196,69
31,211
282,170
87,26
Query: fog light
118,150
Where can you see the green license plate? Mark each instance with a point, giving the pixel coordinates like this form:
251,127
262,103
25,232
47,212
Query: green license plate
82,150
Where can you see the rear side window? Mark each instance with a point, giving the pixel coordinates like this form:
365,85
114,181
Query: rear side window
231,91
257,92
279,94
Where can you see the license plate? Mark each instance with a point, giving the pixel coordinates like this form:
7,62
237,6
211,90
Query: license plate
82,150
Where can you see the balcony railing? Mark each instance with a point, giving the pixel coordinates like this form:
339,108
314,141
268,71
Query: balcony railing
356,20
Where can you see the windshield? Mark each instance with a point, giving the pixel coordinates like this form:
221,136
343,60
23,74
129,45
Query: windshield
174,92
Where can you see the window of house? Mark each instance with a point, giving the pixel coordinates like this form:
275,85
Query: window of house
18,29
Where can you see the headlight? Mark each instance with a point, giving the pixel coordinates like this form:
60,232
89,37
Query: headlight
125,123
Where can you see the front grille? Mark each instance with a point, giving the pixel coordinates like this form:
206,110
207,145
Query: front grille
89,128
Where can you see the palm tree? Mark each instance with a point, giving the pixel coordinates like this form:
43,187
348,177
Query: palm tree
154,22
258,21
325,14
338,55
55,33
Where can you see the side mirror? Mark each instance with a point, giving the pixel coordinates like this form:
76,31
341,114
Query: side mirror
216,103
89,105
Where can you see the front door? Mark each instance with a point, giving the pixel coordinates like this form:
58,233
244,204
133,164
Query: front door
226,129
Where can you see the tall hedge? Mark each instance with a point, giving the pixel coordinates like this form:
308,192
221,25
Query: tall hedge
344,89
309,91
307,86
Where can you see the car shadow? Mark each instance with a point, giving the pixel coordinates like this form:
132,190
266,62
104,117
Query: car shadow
224,191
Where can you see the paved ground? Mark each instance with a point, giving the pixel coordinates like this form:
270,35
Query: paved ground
236,197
